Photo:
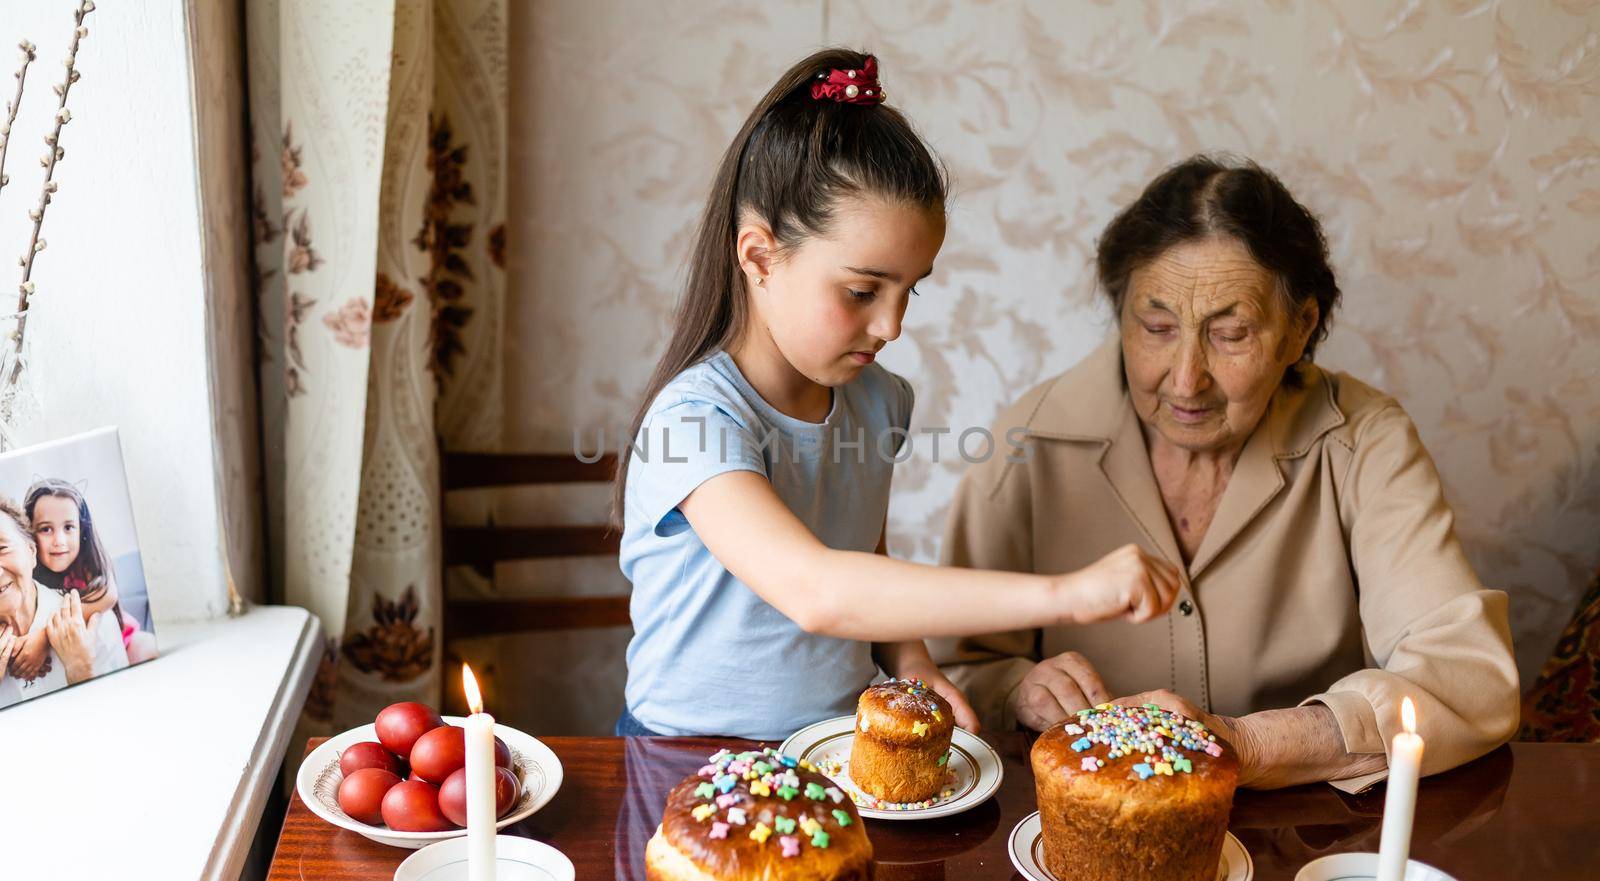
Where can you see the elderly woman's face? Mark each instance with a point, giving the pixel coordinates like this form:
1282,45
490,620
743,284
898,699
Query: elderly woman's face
1205,342
17,559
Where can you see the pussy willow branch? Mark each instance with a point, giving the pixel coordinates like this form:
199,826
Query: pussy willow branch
28,55
54,155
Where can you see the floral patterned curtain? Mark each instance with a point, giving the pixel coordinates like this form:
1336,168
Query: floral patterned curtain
378,171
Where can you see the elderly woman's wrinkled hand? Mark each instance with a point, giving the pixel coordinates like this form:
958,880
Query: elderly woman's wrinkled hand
1056,688
72,639
1227,729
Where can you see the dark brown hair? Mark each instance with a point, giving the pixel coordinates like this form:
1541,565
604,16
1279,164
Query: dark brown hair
1206,196
788,166
92,567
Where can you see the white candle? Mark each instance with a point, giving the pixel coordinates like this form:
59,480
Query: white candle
1405,766
480,783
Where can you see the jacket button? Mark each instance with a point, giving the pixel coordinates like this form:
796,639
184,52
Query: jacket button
1186,607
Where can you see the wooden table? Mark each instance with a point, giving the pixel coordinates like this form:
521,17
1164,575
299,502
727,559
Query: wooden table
1525,811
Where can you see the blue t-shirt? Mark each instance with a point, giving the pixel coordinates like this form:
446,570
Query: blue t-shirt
708,655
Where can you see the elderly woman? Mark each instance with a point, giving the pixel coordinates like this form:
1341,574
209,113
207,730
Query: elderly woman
1322,577
78,650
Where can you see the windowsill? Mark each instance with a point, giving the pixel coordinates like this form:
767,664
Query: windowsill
161,770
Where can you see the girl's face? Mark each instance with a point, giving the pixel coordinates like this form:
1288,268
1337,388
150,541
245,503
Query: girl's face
834,301
55,528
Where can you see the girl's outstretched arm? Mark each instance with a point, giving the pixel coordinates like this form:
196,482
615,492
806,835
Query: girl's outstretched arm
909,659
855,595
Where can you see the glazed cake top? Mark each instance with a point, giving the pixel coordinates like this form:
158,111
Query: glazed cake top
904,709
746,814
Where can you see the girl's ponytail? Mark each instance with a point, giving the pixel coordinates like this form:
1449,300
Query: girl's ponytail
804,145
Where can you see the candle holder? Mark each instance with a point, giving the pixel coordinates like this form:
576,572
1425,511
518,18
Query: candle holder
1362,867
515,859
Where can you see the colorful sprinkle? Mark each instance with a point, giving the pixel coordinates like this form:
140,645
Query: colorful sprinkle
707,771
702,812
783,824
842,816
814,791
834,793
1158,740
791,845
726,782
819,838
736,816
787,793
761,833
809,825
705,790
920,729
760,787
719,829
944,758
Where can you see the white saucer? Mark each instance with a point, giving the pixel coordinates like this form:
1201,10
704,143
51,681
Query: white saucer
1027,854
974,766
515,859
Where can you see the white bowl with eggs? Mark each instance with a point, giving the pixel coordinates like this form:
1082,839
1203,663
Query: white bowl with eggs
317,783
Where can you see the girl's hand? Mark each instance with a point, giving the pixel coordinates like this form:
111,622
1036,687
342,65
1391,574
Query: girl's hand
73,639
966,717
935,679
1126,583
31,656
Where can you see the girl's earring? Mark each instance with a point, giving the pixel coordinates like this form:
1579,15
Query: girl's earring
760,281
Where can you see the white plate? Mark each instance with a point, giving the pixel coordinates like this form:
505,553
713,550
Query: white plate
515,859
974,764
319,778
1027,854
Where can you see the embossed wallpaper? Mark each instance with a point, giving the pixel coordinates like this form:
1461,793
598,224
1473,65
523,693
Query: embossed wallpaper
1450,149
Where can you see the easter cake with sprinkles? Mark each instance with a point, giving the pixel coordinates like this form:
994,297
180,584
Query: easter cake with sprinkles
1133,792
758,815
901,749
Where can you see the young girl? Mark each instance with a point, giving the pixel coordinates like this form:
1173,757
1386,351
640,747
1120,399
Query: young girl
71,557
754,501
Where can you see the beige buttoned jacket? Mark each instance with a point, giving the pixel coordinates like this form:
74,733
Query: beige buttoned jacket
1330,573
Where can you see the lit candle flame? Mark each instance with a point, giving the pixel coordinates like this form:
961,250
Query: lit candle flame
1408,715
469,684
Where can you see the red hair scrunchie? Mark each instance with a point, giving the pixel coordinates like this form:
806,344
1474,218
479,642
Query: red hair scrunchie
858,86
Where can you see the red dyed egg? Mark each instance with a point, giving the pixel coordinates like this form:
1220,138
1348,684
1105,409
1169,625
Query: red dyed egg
361,794
453,794
411,806
438,753
368,754
399,726
502,754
